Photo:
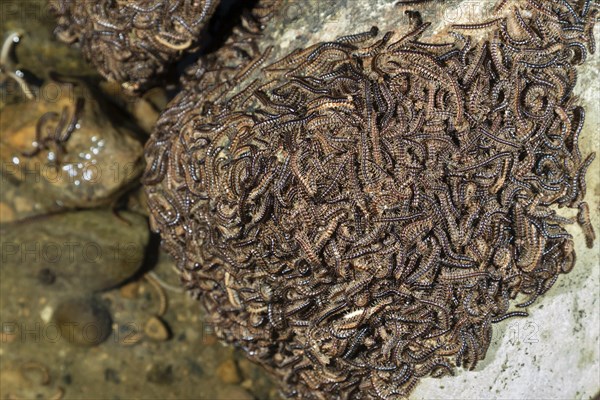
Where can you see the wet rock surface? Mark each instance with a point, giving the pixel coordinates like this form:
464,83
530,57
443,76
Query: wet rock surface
74,252
66,147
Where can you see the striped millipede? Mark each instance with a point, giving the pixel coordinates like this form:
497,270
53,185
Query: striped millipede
510,315
481,25
60,133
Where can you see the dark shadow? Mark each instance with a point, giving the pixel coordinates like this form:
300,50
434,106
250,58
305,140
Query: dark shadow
227,15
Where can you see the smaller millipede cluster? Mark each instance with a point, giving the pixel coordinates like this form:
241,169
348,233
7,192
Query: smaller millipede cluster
132,42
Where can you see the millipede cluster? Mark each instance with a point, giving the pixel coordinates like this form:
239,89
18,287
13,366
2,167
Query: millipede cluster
132,42
359,216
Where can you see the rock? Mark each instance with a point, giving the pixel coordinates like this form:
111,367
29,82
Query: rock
246,384
130,290
145,115
19,201
29,380
37,54
7,213
46,276
83,251
158,97
228,372
11,379
156,329
91,167
160,374
129,335
85,322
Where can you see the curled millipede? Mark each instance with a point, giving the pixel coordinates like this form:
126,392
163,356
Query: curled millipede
54,129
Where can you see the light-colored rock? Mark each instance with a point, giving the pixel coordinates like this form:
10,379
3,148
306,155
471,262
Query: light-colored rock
555,352
156,329
130,290
228,372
